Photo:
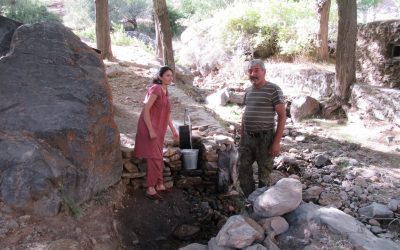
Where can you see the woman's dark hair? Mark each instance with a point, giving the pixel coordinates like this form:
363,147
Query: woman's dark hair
160,73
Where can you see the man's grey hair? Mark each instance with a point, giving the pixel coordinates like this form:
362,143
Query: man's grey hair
256,62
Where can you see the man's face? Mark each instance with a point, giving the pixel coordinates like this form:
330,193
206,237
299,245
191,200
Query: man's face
256,74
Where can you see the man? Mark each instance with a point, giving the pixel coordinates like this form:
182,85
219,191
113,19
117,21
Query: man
259,140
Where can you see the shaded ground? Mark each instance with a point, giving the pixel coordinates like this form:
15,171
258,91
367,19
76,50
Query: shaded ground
148,224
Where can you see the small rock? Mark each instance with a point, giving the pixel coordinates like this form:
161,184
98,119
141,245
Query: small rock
358,190
212,245
386,235
312,193
377,230
327,179
360,181
347,211
394,205
256,247
376,210
300,138
270,244
374,222
276,224
194,246
185,231
321,160
330,199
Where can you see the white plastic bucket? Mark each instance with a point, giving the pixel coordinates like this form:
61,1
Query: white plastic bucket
190,158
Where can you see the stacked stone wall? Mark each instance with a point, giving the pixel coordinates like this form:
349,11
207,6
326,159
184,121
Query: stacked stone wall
375,44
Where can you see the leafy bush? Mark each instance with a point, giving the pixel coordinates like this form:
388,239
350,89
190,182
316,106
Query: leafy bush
119,36
79,14
130,9
196,10
28,11
286,27
175,17
87,34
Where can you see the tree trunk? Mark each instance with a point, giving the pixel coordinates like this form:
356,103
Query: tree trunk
345,56
323,16
346,48
103,38
164,33
159,51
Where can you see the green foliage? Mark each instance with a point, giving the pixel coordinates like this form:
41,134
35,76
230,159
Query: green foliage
367,4
88,34
79,14
175,16
286,26
73,208
27,11
196,10
119,36
130,9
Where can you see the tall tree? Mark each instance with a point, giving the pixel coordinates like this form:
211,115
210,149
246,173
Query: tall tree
323,7
345,55
103,38
164,34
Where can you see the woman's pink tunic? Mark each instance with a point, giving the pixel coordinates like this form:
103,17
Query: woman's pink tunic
159,116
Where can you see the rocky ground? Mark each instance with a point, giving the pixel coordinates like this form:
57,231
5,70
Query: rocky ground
333,171
336,168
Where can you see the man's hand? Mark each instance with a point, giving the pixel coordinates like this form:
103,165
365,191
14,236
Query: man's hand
275,149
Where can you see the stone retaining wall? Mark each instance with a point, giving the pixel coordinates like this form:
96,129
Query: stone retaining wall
374,101
295,79
375,45
207,175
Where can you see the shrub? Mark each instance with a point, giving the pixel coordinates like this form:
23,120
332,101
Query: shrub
130,9
196,10
286,27
119,37
87,34
175,17
79,14
28,11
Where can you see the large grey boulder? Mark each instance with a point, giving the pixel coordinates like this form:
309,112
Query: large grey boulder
304,107
280,199
54,87
7,28
35,177
321,222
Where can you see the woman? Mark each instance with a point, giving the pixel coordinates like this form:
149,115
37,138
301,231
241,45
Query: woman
151,129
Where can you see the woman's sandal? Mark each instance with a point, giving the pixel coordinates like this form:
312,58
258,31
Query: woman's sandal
155,197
